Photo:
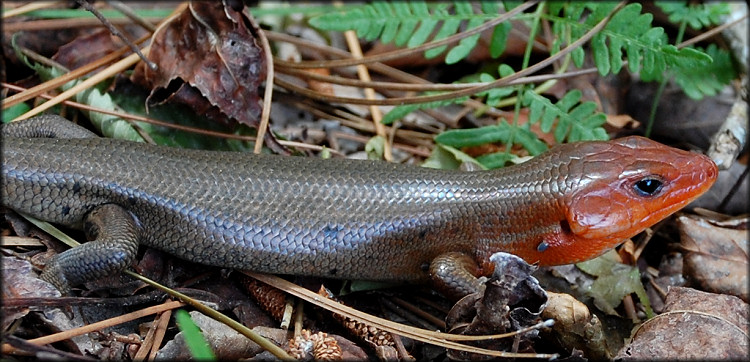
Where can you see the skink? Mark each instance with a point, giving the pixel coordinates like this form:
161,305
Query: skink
337,218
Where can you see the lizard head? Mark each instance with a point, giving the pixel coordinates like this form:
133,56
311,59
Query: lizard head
627,185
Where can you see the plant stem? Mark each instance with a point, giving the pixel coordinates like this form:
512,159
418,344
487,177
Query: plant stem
662,85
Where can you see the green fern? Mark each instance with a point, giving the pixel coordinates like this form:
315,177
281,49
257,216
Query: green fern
412,23
575,122
399,112
494,96
697,16
501,132
700,80
644,47
707,80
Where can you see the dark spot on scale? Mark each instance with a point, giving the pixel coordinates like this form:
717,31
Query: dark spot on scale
333,271
425,267
65,210
422,234
132,200
76,187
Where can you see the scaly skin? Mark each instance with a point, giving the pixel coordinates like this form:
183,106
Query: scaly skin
344,218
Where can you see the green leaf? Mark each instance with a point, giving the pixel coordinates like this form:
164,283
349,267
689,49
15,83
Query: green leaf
11,113
448,158
464,46
474,136
707,80
399,112
496,95
496,160
375,148
614,281
194,339
575,122
499,39
450,26
645,47
696,15
133,101
501,133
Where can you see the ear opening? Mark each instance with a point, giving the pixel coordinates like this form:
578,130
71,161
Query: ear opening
565,227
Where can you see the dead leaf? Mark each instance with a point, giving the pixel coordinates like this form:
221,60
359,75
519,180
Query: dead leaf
86,49
576,327
512,300
696,326
209,59
620,121
716,258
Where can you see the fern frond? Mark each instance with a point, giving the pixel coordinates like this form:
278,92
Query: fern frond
697,16
502,132
707,80
412,23
628,33
494,96
399,112
575,122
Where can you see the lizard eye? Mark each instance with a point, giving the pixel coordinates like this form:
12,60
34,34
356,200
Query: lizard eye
648,186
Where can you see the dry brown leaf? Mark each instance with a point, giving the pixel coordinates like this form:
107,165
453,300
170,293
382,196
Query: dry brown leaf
208,58
622,121
576,327
696,326
86,49
716,256
512,300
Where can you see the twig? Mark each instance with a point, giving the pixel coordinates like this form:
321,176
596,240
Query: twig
67,77
118,67
173,125
265,114
86,5
130,14
23,9
364,75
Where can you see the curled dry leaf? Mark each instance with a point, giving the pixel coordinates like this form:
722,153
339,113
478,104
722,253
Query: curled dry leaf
86,49
512,300
716,258
19,281
576,327
696,325
208,57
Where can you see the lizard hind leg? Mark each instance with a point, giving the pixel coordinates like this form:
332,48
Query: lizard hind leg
114,232
454,275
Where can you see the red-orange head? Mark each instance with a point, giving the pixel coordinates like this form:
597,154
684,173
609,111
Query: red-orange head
620,188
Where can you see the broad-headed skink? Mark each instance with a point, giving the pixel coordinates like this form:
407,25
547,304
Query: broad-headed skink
337,218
